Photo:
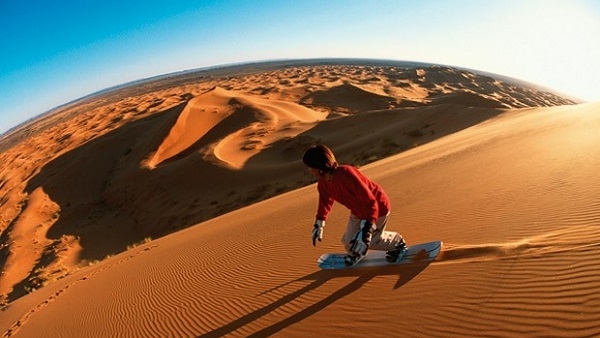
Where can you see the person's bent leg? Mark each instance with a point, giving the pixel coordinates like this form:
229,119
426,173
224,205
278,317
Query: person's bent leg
352,228
382,239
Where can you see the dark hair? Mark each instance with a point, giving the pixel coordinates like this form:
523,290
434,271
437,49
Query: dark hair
320,157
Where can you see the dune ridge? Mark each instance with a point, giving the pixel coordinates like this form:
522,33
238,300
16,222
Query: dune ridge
252,124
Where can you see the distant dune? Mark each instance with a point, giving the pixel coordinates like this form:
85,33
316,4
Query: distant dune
180,207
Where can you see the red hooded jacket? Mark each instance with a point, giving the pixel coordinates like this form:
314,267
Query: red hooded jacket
348,186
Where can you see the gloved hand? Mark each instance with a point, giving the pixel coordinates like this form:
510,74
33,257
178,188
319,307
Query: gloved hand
359,247
363,238
317,233
367,231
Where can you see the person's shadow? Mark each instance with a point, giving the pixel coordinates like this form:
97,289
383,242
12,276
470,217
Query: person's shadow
405,272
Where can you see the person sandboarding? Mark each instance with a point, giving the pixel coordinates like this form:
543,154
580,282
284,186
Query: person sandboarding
368,204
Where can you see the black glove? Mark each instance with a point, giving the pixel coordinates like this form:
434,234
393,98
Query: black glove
317,233
367,232
363,238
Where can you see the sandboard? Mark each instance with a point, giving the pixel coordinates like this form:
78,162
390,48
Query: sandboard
417,253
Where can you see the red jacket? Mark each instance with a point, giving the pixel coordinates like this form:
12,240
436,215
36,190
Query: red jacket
348,186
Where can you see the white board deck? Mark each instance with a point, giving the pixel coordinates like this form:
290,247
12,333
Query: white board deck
417,253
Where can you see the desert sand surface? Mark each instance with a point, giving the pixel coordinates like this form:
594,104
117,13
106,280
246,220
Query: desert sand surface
185,211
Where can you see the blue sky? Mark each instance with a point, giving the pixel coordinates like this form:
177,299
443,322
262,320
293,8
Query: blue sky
57,51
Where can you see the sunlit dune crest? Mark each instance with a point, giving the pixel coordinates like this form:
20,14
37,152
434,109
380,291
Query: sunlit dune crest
248,123
184,209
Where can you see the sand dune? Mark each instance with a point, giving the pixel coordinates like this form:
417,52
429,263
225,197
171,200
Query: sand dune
252,123
506,181
516,205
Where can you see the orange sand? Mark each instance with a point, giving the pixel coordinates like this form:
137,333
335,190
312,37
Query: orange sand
511,190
